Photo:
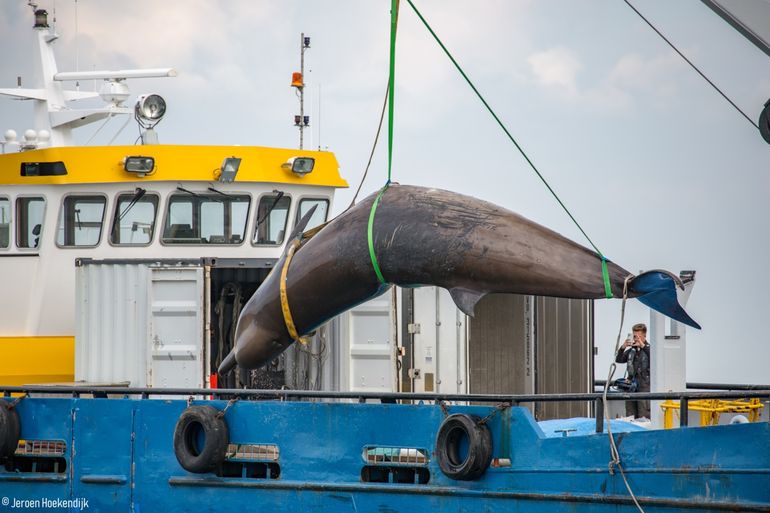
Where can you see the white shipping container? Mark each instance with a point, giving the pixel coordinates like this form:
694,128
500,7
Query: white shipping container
140,323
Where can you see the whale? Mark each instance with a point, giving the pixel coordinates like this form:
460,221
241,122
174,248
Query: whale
420,236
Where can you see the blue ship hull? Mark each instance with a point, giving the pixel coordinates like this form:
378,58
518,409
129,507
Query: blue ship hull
117,454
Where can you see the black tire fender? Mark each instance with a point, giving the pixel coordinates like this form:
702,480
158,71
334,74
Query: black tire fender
10,428
194,424
454,428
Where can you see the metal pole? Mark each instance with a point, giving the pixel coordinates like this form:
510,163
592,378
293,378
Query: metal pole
684,412
599,415
319,117
394,331
437,370
302,89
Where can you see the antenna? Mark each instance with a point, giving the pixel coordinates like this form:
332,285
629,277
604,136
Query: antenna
77,42
319,117
298,81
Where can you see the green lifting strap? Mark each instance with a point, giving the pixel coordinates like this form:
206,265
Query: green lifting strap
391,94
392,79
370,235
606,276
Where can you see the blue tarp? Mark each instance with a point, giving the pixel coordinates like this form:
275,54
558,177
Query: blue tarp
584,426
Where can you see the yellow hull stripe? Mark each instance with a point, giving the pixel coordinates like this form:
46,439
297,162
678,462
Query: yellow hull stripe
33,360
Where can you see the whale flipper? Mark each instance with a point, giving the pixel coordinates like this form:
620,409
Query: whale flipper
302,224
466,299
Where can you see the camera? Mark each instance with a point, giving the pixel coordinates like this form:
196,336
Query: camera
626,385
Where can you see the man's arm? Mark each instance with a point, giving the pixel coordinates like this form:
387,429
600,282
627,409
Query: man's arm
622,356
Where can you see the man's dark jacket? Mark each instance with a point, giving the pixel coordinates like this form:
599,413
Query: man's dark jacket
638,361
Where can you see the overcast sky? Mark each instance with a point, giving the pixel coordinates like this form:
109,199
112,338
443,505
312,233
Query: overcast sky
660,171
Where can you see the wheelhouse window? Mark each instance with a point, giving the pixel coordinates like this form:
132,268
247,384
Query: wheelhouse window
272,214
80,221
319,216
206,219
134,218
5,223
43,169
29,221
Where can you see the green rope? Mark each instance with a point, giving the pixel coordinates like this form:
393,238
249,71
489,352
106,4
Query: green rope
605,273
392,79
370,235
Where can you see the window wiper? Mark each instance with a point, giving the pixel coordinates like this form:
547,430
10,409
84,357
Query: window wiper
272,207
222,193
138,194
191,193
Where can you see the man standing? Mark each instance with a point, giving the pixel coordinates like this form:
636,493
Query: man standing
636,353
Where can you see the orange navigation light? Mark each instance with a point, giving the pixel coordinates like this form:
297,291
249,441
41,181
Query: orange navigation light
296,80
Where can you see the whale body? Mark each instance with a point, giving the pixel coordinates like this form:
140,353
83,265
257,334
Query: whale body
425,236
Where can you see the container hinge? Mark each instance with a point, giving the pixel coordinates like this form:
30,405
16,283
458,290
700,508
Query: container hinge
413,328
413,373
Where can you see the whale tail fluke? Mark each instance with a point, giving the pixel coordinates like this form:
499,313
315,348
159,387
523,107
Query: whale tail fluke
657,290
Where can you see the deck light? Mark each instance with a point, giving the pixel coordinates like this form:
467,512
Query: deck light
299,165
229,169
41,18
150,108
139,165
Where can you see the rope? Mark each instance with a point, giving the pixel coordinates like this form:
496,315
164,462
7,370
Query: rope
374,146
16,401
370,235
693,66
614,453
605,274
231,402
500,407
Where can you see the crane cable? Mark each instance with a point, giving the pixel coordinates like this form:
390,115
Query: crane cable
693,66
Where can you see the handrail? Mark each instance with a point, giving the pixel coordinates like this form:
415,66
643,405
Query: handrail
709,386
76,391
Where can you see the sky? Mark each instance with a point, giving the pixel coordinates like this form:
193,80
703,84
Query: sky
660,171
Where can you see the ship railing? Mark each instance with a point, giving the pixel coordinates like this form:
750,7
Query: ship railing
684,398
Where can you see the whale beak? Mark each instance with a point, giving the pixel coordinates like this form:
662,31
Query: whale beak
657,290
227,364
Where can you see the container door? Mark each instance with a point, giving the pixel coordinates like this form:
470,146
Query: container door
366,330
439,334
176,327
564,355
500,346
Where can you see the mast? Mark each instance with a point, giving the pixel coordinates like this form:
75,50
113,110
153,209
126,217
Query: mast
298,81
